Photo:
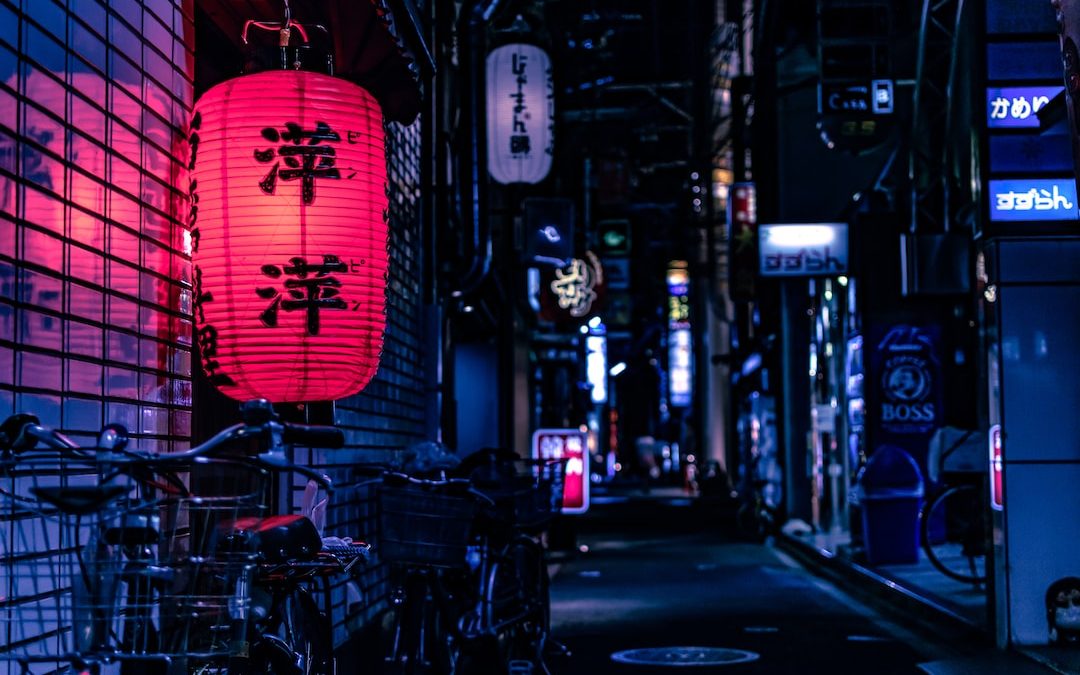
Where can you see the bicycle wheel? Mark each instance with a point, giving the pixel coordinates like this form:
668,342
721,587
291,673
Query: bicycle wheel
297,641
416,628
960,553
516,595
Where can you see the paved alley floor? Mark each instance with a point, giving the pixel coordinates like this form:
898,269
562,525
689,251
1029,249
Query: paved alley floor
639,586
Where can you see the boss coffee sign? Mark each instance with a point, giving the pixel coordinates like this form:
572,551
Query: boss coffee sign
907,368
803,249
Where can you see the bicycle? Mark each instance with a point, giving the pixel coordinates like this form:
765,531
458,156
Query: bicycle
184,563
472,588
952,521
512,597
425,534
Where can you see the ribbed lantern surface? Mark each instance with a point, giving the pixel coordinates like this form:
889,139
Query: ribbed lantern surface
288,229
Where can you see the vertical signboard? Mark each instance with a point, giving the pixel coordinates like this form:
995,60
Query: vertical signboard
905,387
596,365
680,344
570,444
742,226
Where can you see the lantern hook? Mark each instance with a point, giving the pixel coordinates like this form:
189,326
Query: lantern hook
284,28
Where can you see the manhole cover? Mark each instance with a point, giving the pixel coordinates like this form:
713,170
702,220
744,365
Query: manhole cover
684,656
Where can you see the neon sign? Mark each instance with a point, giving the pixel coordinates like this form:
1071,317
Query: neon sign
1017,107
575,285
1033,199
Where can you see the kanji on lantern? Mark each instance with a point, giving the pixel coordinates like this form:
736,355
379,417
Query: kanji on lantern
313,294
300,158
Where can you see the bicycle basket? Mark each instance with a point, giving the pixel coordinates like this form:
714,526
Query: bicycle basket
59,576
187,597
526,493
423,525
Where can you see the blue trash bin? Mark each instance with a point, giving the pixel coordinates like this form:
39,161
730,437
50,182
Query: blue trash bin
890,492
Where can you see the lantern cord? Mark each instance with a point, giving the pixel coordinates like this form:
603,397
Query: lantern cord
285,30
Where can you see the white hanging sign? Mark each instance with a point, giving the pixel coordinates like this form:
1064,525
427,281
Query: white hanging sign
520,114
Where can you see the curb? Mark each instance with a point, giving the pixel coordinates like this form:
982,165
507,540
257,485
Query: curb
852,575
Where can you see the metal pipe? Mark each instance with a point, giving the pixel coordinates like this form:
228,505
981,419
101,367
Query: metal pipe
480,250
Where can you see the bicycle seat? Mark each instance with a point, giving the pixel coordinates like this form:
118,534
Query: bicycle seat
135,529
279,539
11,432
79,500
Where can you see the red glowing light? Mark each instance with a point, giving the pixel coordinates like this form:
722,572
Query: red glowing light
569,444
289,236
997,482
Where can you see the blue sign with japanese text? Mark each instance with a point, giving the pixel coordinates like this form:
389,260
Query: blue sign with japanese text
1017,107
1032,199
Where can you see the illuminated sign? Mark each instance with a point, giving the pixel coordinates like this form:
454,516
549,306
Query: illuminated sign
997,492
614,237
1033,199
803,249
883,96
858,98
596,366
1017,107
678,283
742,224
680,367
678,278
520,114
569,444
680,364
575,285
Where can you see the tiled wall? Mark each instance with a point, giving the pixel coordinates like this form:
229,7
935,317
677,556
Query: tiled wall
94,292
94,275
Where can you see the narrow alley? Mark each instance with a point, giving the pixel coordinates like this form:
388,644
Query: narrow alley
652,579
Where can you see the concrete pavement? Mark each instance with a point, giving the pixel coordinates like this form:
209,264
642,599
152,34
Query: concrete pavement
659,574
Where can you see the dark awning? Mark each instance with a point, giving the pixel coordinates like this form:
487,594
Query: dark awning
377,44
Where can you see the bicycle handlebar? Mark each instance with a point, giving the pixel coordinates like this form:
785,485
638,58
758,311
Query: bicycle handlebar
401,479
313,435
23,432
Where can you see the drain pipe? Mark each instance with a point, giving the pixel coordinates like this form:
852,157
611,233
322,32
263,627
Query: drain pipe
480,250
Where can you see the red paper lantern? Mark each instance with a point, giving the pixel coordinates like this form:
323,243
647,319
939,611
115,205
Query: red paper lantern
288,229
